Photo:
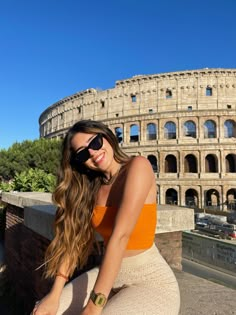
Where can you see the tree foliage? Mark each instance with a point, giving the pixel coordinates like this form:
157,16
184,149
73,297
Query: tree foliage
34,180
42,154
30,165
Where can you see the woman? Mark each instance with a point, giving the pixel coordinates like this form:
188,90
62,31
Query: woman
101,189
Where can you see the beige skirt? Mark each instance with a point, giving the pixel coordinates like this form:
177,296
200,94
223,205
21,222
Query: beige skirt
145,285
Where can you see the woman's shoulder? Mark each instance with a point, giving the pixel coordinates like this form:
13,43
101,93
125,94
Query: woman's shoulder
138,164
138,161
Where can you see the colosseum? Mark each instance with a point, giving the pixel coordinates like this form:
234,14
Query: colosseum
184,122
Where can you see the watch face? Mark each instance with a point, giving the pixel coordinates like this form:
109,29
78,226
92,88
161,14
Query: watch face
100,300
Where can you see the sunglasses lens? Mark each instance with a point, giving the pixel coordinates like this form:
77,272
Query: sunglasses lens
82,156
96,143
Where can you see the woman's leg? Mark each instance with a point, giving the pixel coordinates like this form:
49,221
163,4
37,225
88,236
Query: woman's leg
137,300
76,293
145,285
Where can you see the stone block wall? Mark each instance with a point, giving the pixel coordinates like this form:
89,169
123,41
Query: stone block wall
170,247
24,252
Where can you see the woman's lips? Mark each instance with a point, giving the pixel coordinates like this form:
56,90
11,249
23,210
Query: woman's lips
99,158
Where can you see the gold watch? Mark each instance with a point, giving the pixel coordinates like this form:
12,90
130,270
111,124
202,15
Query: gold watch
98,299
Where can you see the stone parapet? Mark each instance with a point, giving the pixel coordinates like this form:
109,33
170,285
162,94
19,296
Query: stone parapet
39,213
174,218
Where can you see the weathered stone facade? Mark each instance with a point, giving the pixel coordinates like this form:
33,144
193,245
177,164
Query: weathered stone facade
183,122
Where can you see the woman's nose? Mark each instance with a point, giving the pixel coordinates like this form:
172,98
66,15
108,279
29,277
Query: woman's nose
91,151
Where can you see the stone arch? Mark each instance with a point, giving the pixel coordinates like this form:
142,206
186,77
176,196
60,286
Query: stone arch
119,134
191,198
189,129
231,199
230,163
212,198
211,163
151,131
134,133
170,130
170,164
190,164
171,196
153,160
209,129
229,128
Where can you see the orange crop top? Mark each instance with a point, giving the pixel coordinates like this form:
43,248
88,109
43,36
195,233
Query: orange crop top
143,234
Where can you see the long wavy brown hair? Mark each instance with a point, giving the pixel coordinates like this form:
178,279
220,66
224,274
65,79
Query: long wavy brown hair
75,197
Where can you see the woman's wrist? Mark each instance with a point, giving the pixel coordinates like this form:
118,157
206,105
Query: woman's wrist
62,275
91,308
57,287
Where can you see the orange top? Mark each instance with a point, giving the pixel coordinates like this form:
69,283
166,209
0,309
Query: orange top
143,234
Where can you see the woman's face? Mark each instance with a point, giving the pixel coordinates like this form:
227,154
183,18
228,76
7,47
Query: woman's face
100,159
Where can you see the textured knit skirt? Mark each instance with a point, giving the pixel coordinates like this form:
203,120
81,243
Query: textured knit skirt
145,285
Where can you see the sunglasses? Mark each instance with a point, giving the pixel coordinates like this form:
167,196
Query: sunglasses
83,155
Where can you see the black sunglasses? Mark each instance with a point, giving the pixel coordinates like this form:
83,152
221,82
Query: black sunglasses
83,155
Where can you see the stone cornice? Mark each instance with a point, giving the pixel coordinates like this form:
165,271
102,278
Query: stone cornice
186,73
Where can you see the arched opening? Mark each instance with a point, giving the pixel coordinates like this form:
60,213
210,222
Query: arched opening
119,134
190,129
231,199
190,164
153,160
191,198
209,129
212,199
171,197
151,131
230,129
170,130
134,133
211,164
230,161
170,164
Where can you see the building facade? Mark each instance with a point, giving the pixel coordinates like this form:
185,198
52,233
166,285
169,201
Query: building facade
183,122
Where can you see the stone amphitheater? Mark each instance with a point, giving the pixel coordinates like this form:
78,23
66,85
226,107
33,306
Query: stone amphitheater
184,122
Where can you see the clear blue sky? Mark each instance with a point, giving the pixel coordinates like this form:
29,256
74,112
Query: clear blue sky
53,48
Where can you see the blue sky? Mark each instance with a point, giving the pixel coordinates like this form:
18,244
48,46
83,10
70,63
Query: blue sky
53,48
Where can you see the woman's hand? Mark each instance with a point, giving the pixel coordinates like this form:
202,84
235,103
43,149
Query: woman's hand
47,306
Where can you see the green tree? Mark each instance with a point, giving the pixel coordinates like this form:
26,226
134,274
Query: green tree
43,154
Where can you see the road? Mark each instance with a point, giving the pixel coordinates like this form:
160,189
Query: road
209,273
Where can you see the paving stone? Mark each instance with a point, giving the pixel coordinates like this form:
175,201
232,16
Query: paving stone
202,297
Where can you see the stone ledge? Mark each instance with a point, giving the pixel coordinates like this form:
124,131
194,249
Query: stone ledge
174,218
39,214
26,199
